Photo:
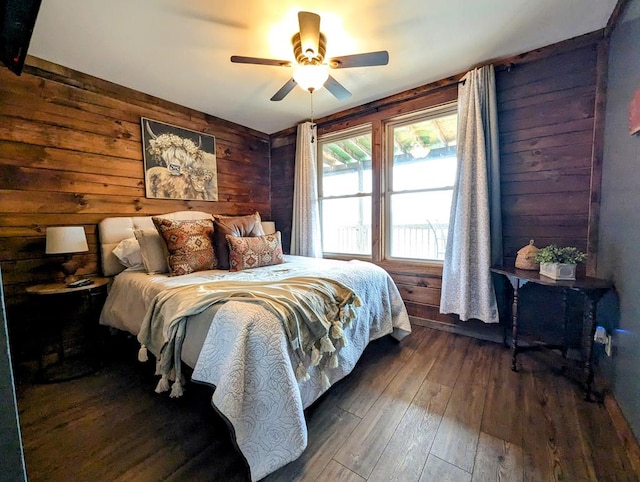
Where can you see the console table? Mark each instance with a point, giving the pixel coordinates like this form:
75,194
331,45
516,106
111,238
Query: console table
592,289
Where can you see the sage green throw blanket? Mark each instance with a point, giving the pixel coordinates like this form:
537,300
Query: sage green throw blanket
313,312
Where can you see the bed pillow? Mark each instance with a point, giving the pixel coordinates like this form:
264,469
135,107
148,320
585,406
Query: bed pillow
153,251
254,251
240,226
190,244
128,253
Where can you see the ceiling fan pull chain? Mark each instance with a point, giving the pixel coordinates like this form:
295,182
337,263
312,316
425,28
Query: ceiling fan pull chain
312,124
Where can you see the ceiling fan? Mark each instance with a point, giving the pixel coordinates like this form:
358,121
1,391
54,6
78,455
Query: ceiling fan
311,71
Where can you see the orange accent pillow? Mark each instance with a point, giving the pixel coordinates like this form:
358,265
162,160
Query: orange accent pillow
255,251
189,244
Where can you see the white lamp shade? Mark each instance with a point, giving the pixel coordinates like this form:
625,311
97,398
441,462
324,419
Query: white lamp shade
269,227
66,239
311,77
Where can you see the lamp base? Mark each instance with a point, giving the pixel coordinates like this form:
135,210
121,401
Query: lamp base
69,268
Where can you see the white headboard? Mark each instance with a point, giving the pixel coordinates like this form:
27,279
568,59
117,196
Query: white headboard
114,230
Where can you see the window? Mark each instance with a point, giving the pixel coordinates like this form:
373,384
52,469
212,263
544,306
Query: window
345,192
416,178
421,170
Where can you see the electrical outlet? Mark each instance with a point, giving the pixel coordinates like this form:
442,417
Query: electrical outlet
600,335
608,346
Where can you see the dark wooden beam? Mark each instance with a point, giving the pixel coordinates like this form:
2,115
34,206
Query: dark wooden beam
615,17
600,108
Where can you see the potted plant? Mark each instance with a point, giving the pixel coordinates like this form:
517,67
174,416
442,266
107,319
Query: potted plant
559,263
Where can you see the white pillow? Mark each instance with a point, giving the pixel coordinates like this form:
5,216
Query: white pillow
128,253
153,249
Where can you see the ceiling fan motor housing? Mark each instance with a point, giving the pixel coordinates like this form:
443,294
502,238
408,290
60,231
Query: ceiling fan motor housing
302,57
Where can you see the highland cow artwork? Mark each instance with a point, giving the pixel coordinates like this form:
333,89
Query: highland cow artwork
178,163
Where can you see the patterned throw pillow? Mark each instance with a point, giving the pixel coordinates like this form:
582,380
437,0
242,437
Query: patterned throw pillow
189,244
241,226
253,252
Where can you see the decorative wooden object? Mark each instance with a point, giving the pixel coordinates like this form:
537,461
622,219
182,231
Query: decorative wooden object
526,258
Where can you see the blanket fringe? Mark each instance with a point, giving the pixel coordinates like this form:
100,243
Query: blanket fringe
325,381
301,373
163,384
326,346
336,330
333,362
176,390
316,356
143,356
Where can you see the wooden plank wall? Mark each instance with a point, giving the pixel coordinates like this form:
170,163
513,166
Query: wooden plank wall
546,121
70,154
546,103
283,148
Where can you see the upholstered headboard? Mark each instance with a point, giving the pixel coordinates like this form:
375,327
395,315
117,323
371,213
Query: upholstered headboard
114,230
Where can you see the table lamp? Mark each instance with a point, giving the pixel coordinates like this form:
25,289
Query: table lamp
67,240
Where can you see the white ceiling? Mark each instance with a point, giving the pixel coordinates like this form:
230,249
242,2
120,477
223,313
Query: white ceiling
179,50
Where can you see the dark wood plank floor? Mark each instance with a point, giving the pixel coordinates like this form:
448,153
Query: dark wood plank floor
435,407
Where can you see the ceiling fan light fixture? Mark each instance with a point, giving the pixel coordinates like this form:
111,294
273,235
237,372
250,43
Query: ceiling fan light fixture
311,77
311,70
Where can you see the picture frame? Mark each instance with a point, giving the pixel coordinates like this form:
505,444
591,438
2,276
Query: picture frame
179,163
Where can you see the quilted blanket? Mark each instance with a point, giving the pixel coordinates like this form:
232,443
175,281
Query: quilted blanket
313,311
247,357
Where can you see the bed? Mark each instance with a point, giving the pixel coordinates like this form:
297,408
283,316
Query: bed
240,344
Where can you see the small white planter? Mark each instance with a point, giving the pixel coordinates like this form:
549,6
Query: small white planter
558,271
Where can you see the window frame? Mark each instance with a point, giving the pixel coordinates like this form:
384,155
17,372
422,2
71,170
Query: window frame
376,119
387,174
342,134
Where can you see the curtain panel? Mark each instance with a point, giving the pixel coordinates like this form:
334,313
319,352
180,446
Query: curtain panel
305,228
474,241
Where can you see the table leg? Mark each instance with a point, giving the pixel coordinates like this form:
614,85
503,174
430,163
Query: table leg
589,331
507,295
514,329
565,322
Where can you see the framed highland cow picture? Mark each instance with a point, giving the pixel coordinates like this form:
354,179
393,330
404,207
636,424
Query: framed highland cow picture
178,163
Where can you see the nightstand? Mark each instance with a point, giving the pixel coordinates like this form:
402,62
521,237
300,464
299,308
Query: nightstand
59,307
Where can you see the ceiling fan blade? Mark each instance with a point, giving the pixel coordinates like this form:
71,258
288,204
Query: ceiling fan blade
309,33
254,60
284,90
337,89
360,60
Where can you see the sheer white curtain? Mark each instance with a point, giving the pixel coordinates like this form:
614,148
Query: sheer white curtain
467,288
305,229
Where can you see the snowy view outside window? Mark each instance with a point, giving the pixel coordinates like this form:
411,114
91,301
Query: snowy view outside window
420,169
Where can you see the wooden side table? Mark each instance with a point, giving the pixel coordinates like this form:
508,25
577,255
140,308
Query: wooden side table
87,299
592,290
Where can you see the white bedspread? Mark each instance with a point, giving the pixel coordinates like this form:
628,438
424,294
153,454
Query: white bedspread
247,357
